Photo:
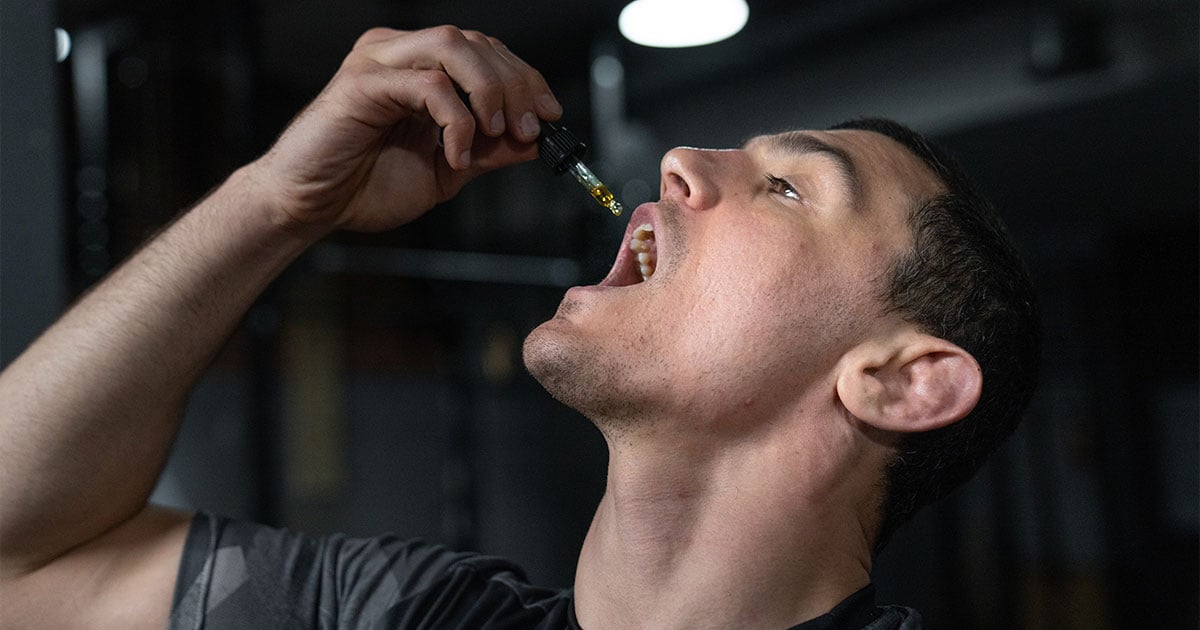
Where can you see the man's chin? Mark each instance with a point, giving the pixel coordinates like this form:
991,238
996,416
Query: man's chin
546,355
573,373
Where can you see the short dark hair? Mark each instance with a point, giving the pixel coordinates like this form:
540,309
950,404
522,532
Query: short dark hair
962,281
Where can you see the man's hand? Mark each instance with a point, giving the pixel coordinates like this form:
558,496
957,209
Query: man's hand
88,412
391,136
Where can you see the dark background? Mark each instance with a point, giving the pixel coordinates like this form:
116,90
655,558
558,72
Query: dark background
378,386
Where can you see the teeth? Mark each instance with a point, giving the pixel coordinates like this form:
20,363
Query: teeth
642,242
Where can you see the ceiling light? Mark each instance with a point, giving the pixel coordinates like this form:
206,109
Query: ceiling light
62,44
682,23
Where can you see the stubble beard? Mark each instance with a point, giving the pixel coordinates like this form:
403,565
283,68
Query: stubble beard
587,379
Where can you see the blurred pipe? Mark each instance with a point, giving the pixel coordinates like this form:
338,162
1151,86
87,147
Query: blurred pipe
1007,581
445,265
948,551
89,82
89,79
265,433
1066,39
1046,482
607,82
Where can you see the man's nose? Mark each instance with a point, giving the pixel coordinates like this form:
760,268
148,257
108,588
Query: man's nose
692,176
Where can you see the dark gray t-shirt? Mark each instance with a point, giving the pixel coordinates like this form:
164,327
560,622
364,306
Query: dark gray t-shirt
236,574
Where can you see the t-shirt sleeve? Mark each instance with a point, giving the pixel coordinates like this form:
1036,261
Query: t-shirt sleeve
235,574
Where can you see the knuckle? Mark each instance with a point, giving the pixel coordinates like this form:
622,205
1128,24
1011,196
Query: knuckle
446,35
532,75
357,66
517,87
460,123
475,36
493,86
375,34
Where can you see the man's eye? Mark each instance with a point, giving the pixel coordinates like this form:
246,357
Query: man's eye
783,187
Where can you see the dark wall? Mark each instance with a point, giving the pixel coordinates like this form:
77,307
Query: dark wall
33,287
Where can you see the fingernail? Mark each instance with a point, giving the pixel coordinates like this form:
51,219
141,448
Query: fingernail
529,125
549,104
498,122
464,158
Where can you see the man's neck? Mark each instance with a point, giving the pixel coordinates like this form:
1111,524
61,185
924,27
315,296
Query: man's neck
747,536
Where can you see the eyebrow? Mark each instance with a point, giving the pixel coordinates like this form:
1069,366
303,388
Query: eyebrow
801,143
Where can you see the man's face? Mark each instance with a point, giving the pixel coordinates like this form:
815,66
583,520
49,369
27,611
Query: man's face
768,261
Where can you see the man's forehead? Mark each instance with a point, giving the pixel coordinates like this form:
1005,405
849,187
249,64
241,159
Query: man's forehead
879,161
888,159
854,144
801,143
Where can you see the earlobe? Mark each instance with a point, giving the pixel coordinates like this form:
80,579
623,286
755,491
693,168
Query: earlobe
912,382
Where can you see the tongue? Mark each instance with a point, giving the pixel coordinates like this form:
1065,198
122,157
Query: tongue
624,271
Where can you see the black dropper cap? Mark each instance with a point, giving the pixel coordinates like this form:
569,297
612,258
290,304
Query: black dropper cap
558,147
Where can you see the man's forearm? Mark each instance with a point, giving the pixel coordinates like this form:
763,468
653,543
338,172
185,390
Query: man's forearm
88,412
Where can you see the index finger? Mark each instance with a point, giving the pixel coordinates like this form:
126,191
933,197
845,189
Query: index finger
543,98
470,66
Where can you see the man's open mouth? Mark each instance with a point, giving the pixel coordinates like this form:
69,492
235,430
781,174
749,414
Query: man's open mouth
638,257
642,242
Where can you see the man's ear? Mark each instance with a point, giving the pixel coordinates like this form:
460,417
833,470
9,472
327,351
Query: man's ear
909,382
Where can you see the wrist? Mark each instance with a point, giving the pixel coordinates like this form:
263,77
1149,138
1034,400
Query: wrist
260,191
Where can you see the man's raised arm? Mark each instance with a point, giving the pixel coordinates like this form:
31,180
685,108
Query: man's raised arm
88,412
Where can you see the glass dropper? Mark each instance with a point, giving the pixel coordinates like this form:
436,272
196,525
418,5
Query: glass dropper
560,149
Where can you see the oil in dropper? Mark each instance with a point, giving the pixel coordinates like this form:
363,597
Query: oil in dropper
595,187
564,152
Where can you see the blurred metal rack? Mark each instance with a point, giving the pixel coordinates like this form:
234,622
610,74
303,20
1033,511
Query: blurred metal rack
445,265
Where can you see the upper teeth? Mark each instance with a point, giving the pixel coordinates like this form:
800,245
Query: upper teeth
642,242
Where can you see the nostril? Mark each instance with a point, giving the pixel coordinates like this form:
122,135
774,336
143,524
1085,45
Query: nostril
677,181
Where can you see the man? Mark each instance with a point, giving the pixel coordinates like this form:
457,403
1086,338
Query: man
820,313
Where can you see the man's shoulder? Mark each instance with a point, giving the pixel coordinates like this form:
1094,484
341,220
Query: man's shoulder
239,574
